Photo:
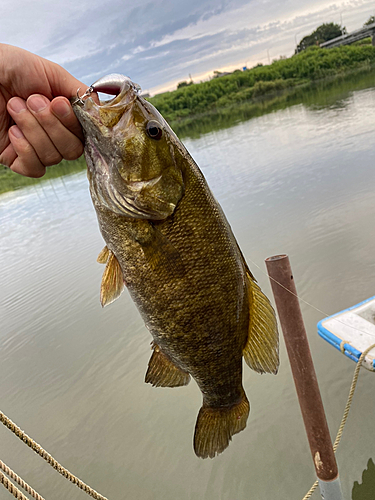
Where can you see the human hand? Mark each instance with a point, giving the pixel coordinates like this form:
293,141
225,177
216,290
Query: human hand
37,124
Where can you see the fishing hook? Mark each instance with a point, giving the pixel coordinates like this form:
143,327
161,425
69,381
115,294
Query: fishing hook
88,92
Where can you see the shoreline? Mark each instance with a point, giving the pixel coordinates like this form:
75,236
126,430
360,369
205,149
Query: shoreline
311,65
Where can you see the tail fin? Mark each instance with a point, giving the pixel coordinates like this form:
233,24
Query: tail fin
216,426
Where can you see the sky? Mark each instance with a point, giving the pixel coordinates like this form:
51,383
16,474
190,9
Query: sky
162,42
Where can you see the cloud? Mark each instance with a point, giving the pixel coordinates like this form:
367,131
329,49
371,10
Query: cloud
158,43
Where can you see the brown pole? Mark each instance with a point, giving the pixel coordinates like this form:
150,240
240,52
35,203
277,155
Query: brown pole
290,316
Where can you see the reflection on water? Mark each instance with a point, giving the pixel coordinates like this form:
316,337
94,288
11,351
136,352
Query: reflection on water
335,93
299,180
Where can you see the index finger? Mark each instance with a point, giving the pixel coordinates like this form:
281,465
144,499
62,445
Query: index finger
5,121
61,108
58,131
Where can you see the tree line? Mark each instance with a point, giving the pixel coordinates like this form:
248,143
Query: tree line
325,32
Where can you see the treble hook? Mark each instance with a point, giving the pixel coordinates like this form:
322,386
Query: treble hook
88,92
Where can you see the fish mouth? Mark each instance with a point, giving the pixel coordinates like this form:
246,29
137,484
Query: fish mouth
105,112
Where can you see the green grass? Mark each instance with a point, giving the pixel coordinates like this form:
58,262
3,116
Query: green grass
310,65
10,181
316,94
364,41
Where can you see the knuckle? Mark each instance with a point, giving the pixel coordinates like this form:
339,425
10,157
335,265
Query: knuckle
25,149
51,158
24,121
6,161
74,152
45,119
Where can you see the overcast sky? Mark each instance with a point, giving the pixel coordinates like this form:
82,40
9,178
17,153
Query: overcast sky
161,42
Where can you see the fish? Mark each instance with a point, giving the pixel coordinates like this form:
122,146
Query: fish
169,243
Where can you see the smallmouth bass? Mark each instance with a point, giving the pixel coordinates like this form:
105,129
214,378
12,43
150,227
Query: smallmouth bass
167,239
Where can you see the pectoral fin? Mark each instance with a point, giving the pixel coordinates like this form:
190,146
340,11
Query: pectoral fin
261,351
112,280
163,373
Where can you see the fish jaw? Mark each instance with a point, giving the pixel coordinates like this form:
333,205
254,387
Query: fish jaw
128,172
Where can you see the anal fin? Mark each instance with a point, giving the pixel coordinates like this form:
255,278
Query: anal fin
261,351
162,372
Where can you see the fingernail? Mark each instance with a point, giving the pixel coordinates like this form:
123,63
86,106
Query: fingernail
17,105
61,108
16,132
37,103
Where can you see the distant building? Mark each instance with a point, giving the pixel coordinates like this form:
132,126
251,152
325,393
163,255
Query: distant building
218,74
349,38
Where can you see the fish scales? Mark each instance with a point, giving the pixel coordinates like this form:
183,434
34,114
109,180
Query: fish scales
186,315
168,240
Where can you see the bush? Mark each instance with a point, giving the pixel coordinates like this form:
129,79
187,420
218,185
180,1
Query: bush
312,64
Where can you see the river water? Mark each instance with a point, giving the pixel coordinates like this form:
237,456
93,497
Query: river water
298,180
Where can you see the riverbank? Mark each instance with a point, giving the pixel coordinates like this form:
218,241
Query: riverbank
250,85
321,93
9,181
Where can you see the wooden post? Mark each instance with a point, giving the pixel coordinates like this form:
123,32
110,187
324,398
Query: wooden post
305,380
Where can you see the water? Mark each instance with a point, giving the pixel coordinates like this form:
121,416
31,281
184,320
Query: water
299,180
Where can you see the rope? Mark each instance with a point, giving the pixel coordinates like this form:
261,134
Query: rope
10,473
48,458
342,345
350,397
346,412
11,488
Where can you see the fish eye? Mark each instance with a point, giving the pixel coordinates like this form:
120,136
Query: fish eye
154,130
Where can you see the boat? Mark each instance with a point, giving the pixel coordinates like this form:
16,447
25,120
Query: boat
352,331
